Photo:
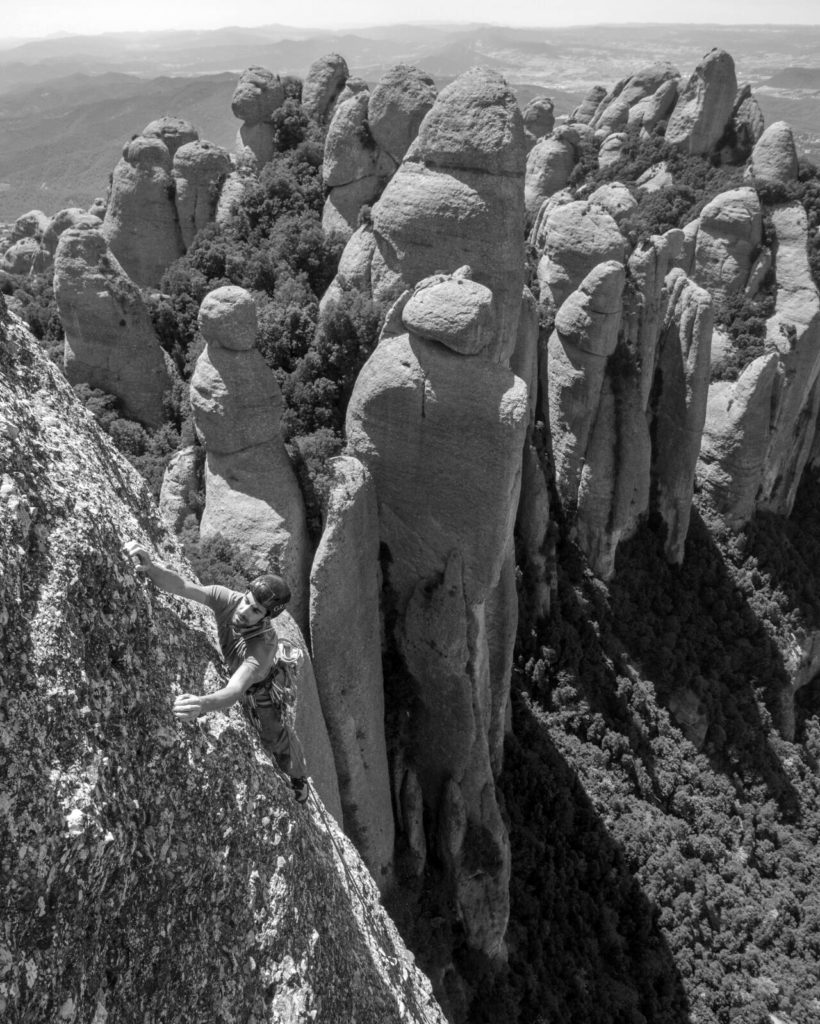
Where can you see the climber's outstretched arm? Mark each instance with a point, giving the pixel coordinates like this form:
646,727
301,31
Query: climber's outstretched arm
191,705
165,579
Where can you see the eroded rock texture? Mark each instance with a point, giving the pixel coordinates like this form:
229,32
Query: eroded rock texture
110,342
199,170
436,428
156,851
323,83
251,494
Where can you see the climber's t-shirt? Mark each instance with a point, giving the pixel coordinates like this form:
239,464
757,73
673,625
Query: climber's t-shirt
255,647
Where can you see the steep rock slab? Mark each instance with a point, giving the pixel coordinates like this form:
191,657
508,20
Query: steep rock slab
650,111
577,237
735,439
774,159
199,170
346,642
705,105
728,241
258,94
176,846
252,497
324,81
458,198
794,333
613,150
141,225
684,362
616,199
349,151
109,339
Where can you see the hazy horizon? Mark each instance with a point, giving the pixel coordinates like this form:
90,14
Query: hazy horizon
40,19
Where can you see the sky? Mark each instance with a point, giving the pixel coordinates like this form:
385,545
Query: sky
37,18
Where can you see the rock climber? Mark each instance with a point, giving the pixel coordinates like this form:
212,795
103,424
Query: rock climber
249,646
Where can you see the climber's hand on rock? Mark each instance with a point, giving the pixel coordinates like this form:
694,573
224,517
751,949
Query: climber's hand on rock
187,707
139,555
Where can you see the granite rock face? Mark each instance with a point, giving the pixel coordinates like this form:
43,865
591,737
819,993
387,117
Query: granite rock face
705,105
30,225
435,427
346,643
25,256
324,81
110,341
141,224
72,217
122,822
252,497
199,170
457,198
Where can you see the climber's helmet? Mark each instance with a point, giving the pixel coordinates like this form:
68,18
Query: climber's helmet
271,592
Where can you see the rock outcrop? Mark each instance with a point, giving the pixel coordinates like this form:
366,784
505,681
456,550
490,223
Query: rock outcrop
25,256
346,643
774,159
585,111
539,119
705,105
175,846
435,427
252,497
727,243
258,94
199,169
323,83
457,198
141,225
173,131
30,225
72,217
549,165
577,237
643,99
110,342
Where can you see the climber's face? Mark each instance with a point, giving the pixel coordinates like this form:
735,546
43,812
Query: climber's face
248,612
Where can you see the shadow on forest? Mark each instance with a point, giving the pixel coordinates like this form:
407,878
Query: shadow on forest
690,629
584,939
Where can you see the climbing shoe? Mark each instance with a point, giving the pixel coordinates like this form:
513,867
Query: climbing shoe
301,790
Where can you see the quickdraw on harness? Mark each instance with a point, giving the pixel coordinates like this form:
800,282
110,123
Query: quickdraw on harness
277,688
